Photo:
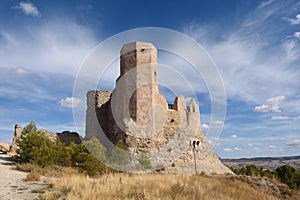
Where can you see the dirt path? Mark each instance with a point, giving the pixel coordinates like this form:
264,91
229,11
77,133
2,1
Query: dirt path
12,184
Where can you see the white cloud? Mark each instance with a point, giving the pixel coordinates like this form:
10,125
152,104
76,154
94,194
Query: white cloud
218,122
280,117
271,105
227,150
70,102
236,148
58,46
297,35
291,50
265,3
246,56
234,136
24,84
204,126
21,71
28,8
295,20
293,144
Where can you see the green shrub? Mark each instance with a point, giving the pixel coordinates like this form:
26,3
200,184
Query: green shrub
287,174
82,159
38,149
96,149
252,170
119,155
144,161
297,179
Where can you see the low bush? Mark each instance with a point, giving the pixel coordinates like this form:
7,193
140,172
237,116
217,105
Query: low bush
145,162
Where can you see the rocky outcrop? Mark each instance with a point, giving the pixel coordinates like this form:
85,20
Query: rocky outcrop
68,137
4,147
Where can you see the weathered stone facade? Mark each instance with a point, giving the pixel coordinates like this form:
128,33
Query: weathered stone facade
136,113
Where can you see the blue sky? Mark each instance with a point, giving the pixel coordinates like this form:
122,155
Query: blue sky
255,44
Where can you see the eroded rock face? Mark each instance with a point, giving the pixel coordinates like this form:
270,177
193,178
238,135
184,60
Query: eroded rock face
136,113
68,137
4,147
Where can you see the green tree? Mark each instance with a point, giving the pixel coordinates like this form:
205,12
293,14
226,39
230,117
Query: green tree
62,157
96,149
286,175
31,127
252,170
297,179
82,159
35,147
119,155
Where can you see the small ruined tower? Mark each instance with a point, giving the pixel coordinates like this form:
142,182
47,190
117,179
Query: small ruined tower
18,130
17,134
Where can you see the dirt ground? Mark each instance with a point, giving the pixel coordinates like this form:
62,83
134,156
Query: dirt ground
12,184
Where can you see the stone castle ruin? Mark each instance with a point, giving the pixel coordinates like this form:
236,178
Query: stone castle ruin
137,114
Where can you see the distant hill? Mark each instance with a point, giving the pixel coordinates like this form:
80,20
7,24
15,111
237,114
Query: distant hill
265,162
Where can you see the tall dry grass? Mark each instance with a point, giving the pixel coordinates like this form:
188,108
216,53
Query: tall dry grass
153,186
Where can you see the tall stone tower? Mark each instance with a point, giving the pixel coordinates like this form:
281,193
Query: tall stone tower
139,64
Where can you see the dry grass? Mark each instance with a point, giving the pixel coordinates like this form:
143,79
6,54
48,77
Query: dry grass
49,171
32,176
67,183
152,186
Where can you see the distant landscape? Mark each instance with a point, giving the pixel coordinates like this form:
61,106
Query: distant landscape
270,163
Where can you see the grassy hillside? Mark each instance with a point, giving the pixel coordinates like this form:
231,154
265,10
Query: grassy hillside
155,186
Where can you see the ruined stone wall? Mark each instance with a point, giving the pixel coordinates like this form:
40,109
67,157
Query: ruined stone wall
95,100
